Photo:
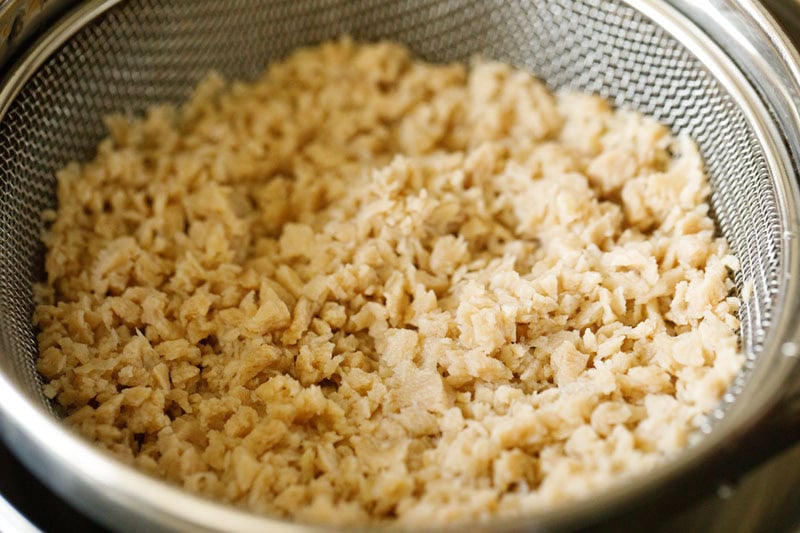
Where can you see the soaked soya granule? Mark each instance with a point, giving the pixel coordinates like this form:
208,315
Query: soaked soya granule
368,288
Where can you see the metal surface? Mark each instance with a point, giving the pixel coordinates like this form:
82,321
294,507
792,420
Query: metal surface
19,19
719,70
12,521
39,505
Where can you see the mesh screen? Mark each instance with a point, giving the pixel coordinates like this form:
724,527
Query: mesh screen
148,51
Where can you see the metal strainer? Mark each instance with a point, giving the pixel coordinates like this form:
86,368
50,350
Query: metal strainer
719,70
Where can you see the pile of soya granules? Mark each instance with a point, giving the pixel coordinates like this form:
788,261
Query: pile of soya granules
368,288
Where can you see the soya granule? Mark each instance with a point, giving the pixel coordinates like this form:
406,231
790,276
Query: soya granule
368,288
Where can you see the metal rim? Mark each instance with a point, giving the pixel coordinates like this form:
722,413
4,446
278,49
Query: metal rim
20,19
12,520
121,496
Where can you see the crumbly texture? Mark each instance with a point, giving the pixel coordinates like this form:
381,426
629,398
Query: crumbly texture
368,288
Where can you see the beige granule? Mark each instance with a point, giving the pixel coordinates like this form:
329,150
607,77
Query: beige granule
370,288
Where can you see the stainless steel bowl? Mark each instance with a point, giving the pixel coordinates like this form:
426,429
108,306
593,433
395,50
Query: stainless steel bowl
720,70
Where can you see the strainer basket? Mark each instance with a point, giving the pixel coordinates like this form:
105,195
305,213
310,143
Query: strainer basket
719,70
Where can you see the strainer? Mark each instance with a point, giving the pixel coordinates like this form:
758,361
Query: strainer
719,70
